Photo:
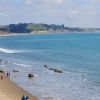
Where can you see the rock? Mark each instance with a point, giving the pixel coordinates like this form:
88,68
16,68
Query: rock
15,70
51,69
30,75
58,71
45,66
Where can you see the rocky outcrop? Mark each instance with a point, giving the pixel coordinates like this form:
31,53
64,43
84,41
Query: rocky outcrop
15,71
30,75
56,70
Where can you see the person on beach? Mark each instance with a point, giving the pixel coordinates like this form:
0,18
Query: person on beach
1,77
23,98
7,74
27,98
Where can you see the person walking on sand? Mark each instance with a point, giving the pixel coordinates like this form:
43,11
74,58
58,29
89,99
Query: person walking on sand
23,98
7,74
1,77
27,98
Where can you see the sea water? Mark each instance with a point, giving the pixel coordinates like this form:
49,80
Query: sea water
76,54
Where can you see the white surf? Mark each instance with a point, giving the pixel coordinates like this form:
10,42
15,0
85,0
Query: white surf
9,50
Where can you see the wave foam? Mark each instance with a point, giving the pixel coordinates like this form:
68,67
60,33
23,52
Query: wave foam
9,50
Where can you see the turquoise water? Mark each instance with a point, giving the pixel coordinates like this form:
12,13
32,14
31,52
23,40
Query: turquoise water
78,55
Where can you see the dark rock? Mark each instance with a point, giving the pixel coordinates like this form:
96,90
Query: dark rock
30,75
45,66
15,70
58,71
51,69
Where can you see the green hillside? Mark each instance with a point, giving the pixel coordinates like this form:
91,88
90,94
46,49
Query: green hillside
36,27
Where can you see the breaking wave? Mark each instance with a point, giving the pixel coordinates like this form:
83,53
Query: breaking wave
10,50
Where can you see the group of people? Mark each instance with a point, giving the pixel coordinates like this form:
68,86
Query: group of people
8,74
1,77
25,98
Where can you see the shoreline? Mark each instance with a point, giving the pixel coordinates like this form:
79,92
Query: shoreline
48,32
39,33
11,91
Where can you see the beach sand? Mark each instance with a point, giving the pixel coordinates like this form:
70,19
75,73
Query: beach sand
10,91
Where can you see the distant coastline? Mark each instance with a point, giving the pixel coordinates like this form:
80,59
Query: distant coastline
42,32
38,28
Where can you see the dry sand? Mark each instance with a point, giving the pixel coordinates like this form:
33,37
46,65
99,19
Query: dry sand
10,91
3,33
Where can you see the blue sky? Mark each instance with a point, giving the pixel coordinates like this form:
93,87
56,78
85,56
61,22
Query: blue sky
74,13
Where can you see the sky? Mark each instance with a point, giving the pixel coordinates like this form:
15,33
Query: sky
72,13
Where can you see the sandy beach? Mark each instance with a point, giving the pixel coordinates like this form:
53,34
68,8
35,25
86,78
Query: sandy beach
10,91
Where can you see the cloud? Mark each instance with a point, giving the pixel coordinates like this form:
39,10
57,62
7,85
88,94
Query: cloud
69,12
28,2
3,15
74,12
59,1
52,2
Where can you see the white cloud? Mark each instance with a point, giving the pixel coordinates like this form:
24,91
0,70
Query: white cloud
59,1
52,2
71,12
3,14
28,2
74,12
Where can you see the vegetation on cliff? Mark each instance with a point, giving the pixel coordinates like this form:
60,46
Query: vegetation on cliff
33,27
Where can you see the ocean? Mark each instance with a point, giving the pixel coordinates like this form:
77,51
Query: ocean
77,55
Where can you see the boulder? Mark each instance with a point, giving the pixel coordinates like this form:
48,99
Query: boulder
45,66
51,69
30,75
58,71
15,70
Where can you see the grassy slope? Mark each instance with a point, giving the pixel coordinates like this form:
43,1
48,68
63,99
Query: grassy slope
36,27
